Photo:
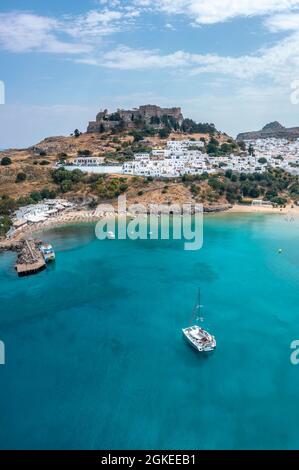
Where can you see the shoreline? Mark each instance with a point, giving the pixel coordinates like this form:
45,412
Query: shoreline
88,216
69,218
241,209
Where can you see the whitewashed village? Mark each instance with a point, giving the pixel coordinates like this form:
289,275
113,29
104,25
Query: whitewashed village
181,158
188,157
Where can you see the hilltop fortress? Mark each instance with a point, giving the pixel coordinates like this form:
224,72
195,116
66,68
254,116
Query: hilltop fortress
149,115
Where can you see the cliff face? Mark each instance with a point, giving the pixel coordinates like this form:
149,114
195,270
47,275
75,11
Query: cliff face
151,115
272,130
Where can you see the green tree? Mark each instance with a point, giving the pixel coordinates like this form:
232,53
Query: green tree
36,196
21,177
155,120
84,153
114,117
229,174
76,176
66,186
164,133
6,161
280,201
138,135
212,148
242,145
226,148
251,150
254,192
93,204
48,193
5,224
7,205
60,175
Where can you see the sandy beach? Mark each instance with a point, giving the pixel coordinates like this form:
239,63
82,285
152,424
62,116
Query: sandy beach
85,216
290,209
66,218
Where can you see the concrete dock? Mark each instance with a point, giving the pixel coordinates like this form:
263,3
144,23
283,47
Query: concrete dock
29,269
30,259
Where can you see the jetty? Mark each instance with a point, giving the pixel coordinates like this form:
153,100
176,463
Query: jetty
30,259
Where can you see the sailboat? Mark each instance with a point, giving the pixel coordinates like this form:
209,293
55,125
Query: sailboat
196,336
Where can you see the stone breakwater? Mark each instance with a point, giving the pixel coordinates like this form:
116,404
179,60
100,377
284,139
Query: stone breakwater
8,245
29,257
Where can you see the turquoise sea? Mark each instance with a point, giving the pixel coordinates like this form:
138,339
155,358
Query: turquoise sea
95,358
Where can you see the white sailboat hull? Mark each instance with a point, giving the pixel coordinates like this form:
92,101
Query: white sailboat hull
199,339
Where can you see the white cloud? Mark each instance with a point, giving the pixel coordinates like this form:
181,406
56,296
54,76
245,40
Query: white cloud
215,11
286,22
279,62
131,59
99,23
28,32
81,36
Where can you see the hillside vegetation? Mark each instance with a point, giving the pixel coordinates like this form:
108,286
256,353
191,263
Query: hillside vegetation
28,176
31,169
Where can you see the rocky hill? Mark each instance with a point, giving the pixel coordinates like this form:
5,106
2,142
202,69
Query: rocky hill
28,173
37,162
147,115
272,130
150,117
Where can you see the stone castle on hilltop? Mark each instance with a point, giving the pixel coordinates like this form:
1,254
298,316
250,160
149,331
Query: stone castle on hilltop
149,115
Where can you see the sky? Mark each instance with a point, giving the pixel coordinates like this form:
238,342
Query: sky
230,62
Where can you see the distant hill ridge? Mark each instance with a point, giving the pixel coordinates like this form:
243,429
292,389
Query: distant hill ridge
272,130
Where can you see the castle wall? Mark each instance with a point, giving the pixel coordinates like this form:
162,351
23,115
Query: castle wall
145,113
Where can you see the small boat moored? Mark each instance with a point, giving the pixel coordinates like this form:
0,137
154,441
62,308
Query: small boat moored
196,336
48,252
200,339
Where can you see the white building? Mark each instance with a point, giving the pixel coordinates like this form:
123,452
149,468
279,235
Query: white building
182,157
88,161
181,145
36,213
142,156
279,153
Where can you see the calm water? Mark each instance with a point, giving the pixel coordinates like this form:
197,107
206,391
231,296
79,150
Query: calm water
95,356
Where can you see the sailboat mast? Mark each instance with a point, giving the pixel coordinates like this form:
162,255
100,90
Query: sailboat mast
196,310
